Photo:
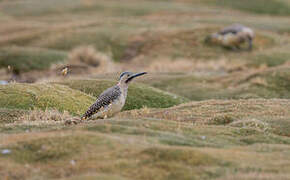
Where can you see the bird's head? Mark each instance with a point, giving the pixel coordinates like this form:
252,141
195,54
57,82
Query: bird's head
249,35
127,77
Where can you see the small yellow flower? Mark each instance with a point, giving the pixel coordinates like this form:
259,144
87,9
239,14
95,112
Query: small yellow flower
64,71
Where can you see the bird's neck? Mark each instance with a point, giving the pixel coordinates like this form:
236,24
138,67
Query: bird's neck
123,86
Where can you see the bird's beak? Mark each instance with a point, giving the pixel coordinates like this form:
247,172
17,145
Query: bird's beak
135,75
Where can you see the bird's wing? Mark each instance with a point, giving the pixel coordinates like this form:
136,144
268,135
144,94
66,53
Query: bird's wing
234,29
103,100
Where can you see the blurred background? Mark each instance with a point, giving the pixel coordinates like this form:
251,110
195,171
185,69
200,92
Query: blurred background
57,56
39,38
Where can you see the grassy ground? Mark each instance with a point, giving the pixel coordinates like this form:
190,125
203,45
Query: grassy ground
270,83
225,139
201,112
273,7
139,95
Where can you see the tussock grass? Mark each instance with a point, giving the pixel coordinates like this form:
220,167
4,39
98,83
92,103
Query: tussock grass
22,59
63,98
269,115
44,116
105,8
87,55
189,44
213,139
139,95
44,96
264,83
106,41
146,149
58,151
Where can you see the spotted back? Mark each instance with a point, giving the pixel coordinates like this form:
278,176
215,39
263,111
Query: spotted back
106,98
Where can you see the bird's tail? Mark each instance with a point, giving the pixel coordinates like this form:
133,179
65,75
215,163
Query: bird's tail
84,116
88,113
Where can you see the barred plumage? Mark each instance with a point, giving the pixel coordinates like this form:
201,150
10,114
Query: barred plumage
104,100
234,29
233,37
113,99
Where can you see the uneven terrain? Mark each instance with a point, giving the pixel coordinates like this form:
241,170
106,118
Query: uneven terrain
201,112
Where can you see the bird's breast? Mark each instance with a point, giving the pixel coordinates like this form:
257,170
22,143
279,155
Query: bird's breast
117,105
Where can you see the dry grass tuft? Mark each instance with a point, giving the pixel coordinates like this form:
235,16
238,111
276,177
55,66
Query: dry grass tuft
252,123
46,116
88,56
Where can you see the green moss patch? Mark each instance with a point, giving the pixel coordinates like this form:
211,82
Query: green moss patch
273,59
105,41
273,83
139,95
173,133
257,116
189,44
281,126
190,157
43,96
26,59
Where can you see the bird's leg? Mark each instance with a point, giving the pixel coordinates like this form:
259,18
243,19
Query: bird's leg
250,44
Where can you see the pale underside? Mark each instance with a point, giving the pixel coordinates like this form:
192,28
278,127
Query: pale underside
111,109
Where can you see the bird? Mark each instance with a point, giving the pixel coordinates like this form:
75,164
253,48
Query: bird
233,36
112,100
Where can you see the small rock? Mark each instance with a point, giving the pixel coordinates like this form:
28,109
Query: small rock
6,151
203,137
72,121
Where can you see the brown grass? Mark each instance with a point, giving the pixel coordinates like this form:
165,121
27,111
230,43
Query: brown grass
211,139
197,66
88,56
219,111
46,116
